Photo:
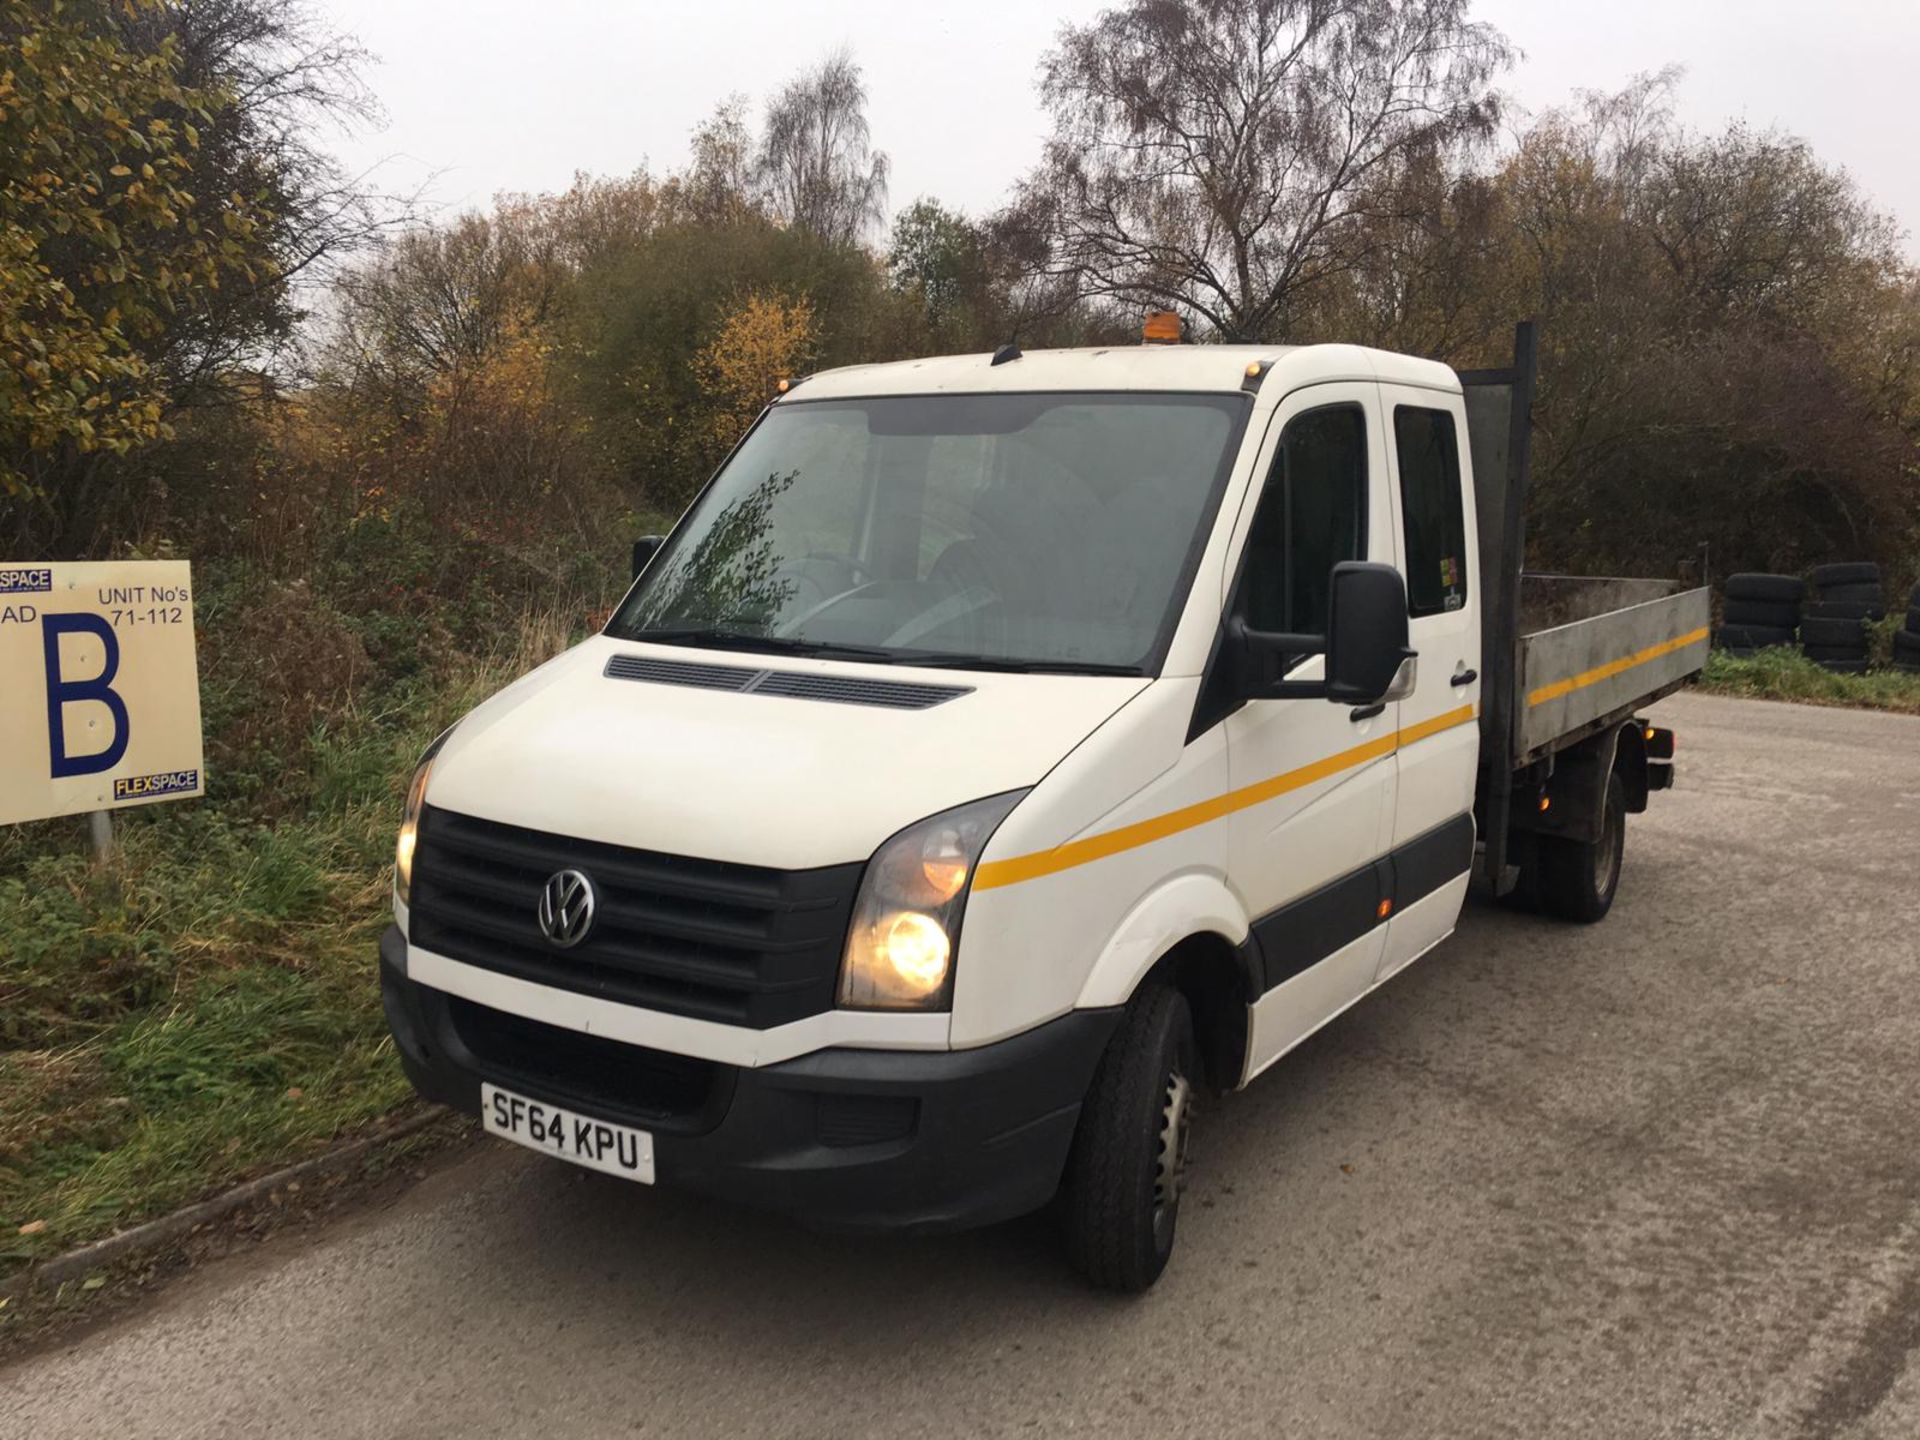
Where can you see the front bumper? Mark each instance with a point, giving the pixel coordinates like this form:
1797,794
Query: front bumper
842,1138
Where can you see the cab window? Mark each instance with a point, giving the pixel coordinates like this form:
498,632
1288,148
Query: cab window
1436,530
1312,515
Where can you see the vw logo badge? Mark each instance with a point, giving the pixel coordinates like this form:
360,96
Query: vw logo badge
566,909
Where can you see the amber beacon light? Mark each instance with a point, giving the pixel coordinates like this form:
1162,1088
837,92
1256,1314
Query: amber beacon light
1162,327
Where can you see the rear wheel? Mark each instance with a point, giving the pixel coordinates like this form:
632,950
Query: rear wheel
1129,1159
1578,878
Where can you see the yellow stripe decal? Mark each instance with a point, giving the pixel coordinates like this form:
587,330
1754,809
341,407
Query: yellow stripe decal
1145,832
1613,668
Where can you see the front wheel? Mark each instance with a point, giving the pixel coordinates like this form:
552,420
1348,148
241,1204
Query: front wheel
1129,1158
1578,878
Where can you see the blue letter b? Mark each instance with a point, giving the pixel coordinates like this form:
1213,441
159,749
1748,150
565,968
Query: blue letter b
66,692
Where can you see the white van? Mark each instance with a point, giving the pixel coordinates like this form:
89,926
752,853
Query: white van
1001,749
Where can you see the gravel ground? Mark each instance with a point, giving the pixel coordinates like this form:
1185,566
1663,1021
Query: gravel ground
1653,1178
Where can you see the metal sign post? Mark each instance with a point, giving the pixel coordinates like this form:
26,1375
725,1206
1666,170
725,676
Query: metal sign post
100,824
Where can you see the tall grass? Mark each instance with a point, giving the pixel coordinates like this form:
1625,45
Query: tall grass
206,1006
1786,674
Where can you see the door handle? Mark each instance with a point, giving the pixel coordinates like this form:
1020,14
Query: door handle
1366,712
1465,677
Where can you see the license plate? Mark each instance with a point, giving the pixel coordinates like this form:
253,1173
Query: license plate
598,1144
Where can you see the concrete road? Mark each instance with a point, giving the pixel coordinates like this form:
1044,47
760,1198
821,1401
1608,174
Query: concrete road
1655,1178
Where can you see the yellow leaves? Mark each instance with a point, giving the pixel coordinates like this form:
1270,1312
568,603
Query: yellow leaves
767,337
92,256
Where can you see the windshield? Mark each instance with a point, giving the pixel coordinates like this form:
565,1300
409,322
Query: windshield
1004,531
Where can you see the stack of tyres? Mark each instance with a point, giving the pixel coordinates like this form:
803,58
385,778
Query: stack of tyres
1833,631
1760,611
1906,640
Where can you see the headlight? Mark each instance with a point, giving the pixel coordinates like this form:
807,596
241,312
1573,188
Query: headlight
410,822
906,920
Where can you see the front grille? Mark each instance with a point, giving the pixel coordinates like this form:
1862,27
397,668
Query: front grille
600,1077
733,943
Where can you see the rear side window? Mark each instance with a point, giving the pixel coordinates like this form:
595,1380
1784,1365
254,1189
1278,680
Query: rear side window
1312,515
1429,459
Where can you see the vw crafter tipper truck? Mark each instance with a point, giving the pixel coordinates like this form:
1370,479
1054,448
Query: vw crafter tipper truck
1001,750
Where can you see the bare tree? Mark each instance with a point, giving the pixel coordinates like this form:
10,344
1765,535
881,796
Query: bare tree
1224,156
439,300
284,77
817,162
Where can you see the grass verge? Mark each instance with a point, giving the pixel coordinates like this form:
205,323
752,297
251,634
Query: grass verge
204,1009
1785,674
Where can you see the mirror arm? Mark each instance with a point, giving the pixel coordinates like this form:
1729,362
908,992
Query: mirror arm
1281,642
1295,690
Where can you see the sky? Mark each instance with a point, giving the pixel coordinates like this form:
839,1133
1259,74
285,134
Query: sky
504,95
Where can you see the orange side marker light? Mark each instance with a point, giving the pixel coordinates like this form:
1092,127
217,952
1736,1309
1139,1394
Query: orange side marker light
1386,908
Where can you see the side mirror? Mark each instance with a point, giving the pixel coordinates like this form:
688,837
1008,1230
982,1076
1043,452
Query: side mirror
1368,658
643,549
1367,634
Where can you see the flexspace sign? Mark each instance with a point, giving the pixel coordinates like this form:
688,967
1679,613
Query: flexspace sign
101,703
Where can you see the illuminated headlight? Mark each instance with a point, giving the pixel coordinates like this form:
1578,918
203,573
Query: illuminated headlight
410,823
906,921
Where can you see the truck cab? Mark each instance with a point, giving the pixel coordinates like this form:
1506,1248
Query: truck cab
999,752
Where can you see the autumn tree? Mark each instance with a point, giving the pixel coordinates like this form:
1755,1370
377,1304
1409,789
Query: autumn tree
762,340
1221,156
162,204
102,238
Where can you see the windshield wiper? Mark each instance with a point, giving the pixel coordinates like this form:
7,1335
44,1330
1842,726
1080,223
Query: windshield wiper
722,639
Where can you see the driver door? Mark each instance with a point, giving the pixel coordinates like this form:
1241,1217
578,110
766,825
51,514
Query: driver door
1313,782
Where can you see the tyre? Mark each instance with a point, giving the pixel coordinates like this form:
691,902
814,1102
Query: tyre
1816,631
1773,614
1841,610
1127,1168
1751,637
1853,572
1913,621
1824,653
1844,667
1907,641
1855,594
1578,878
1771,589
1913,600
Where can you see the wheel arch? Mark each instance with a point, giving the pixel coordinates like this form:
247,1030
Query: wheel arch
1575,791
1215,976
1192,934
